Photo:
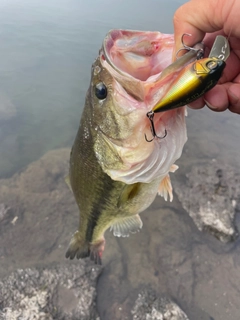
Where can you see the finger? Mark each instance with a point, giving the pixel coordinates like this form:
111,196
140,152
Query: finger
195,22
197,104
217,98
199,17
224,96
234,97
232,69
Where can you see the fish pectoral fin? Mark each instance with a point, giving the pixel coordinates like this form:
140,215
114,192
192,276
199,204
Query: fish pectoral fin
129,192
122,227
165,188
67,180
173,168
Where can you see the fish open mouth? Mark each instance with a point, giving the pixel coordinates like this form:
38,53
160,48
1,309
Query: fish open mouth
136,60
141,55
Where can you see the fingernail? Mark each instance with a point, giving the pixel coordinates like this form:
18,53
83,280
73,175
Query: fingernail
210,105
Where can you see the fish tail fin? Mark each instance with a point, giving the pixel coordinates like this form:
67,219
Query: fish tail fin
81,248
78,247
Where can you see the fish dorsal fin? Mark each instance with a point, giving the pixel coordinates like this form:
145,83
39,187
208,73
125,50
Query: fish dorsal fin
124,226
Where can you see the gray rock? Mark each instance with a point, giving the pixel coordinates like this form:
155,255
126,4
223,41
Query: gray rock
3,211
211,196
38,214
62,292
148,307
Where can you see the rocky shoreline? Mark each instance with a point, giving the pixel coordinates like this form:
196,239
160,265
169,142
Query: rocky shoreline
36,218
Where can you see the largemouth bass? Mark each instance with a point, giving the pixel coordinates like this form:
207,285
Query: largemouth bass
114,172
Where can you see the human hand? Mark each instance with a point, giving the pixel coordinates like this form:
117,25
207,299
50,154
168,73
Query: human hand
204,19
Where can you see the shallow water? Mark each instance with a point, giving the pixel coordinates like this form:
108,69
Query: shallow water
47,49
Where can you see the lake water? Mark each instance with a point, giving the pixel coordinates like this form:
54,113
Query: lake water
47,48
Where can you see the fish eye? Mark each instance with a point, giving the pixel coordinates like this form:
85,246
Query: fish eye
212,65
101,91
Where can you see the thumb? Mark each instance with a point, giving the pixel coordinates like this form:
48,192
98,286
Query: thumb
199,17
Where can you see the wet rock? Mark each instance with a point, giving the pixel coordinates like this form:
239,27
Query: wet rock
3,211
61,292
167,255
149,307
211,196
39,214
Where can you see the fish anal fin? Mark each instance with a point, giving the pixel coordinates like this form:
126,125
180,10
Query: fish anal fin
78,247
122,227
165,188
128,193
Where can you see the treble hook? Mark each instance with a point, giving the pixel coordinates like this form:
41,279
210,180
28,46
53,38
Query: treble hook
200,52
150,116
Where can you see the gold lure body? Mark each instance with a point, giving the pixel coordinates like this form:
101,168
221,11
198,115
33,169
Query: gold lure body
192,82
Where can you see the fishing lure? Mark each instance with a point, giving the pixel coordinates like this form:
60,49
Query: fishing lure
194,80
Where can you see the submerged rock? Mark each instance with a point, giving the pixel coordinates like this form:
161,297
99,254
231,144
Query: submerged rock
148,307
62,292
211,196
38,214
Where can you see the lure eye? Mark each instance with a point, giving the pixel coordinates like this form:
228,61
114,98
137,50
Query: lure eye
101,91
212,65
